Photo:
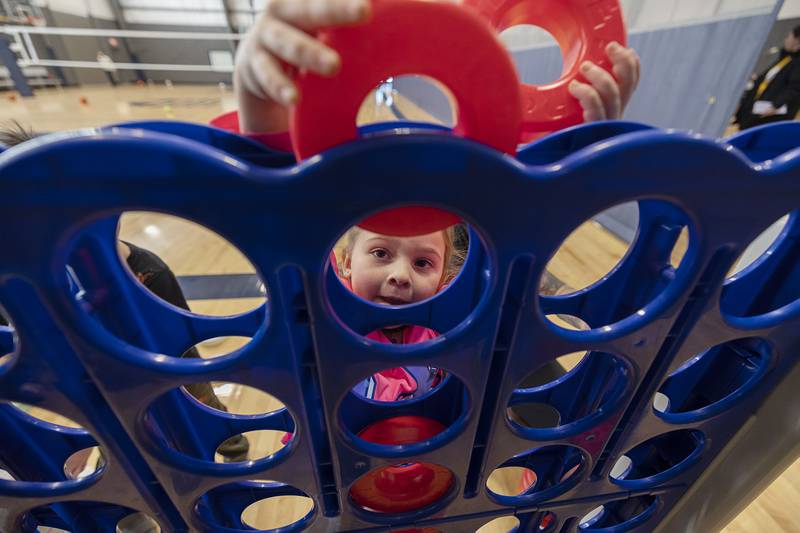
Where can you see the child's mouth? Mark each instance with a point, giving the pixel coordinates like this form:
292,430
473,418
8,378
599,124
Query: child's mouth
389,300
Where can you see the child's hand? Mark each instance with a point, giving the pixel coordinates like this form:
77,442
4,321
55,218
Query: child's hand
606,95
279,38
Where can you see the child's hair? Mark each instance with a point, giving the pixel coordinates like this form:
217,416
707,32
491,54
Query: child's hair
14,133
455,250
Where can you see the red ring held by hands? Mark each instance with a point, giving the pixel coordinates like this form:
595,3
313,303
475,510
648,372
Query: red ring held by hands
582,28
440,40
437,39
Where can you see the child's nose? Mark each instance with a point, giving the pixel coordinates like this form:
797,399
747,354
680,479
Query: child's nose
400,275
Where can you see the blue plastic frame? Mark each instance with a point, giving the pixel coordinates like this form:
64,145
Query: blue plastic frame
98,348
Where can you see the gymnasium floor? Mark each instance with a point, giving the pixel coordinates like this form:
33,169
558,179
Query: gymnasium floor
192,251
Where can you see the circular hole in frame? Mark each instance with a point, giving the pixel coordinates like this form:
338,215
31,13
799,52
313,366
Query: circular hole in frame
555,468
589,253
398,271
151,245
406,407
402,488
709,382
550,66
171,425
503,524
409,98
277,512
657,459
545,401
255,504
84,463
395,273
80,465
618,514
602,246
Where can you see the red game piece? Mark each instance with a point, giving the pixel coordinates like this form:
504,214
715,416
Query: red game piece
407,487
582,28
436,39
410,221
402,488
401,430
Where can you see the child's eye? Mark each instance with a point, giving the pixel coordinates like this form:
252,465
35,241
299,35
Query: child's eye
380,253
423,263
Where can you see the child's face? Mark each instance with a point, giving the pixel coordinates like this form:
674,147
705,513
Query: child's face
396,270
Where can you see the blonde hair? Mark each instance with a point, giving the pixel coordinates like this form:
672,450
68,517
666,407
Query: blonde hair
453,259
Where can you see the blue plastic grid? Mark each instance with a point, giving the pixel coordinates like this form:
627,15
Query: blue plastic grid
102,350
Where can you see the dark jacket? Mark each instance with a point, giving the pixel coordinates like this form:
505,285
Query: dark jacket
784,89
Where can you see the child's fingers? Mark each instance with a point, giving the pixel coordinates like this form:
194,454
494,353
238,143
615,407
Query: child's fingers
606,87
267,73
589,99
297,48
245,79
312,14
626,66
243,76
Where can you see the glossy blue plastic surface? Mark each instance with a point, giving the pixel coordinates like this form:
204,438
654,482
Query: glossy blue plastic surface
98,348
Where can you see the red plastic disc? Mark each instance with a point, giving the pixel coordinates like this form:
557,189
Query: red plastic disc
582,28
409,221
401,488
227,121
436,39
402,430
546,521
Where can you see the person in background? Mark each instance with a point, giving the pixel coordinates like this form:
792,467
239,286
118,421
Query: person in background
108,67
775,94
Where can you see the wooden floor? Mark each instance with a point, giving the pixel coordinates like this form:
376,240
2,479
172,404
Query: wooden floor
587,255
59,109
